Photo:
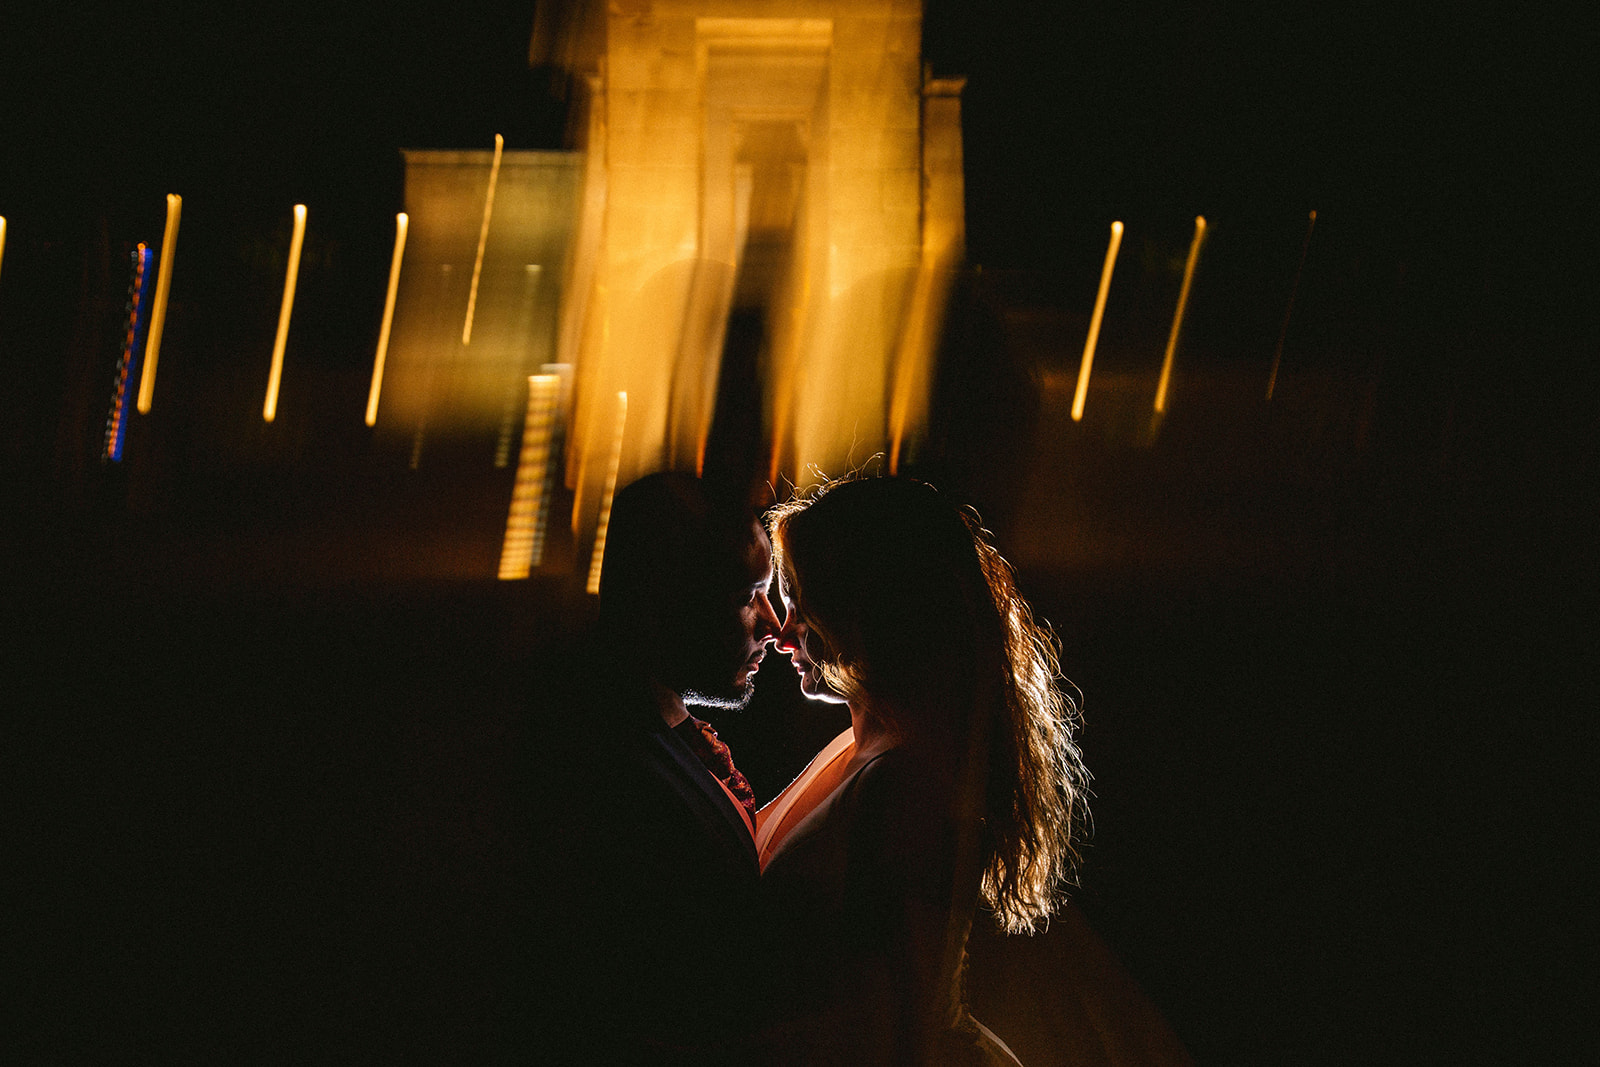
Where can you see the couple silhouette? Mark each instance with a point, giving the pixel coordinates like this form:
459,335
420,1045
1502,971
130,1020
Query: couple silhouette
672,921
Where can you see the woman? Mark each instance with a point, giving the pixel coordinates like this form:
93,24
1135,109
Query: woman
958,778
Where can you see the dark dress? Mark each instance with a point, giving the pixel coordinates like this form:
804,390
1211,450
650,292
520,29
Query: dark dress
868,907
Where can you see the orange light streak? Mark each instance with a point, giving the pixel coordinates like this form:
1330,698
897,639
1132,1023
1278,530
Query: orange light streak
1177,316
1294,290
524,542
269,410
2,240
589,431
911,365
508,410
599,554
158,305
401,222
483,239
1082,393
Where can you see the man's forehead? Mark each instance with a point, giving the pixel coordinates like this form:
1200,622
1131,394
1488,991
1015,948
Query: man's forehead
757,554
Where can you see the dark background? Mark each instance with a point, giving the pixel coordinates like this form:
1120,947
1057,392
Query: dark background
1333,654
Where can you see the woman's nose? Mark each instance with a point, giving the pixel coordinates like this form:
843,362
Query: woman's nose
788,636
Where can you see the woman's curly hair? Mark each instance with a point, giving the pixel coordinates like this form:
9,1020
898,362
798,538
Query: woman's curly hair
923,627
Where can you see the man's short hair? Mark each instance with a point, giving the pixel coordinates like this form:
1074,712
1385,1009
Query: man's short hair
671,538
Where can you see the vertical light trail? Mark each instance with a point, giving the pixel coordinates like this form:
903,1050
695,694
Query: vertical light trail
2,240
1283,332
1094,322
269,410
911,364
522,328
579,479
158,312
401,222
1177,316
599,555
483,239
524,542
128,364
783,390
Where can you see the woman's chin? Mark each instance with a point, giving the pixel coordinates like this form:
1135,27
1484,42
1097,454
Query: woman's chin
814,688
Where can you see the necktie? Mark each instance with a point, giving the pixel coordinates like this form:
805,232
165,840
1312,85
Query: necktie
714,753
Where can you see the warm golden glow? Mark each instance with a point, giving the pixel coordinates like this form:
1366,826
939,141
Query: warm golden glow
599,554
269,410
524,541
158,307
780,173
1177,316
401,221
943,243
483,240
1294,289
522,325
911,369
1082,393
2,240
799,179
431,381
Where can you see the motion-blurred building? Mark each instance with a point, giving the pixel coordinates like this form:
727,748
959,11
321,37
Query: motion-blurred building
761,223
439,386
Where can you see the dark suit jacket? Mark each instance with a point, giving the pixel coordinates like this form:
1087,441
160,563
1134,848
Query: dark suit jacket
641,880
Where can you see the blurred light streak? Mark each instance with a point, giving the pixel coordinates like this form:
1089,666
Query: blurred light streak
785,384
585,280
911,367
128,362
1177,316
269,410
944,231
483,240
430,374
524,541
1294,289
158,313
580,480
2,240
1094,322
598,557
522,326
401,222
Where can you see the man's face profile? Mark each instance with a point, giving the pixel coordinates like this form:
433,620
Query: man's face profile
727,626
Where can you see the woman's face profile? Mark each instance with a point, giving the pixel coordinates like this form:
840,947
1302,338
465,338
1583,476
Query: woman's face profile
805,651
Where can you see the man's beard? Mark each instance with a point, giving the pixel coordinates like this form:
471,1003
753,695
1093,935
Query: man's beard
731,699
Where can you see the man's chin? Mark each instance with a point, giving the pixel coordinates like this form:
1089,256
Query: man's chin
734,698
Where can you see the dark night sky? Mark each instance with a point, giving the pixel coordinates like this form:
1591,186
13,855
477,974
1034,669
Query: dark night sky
1387,114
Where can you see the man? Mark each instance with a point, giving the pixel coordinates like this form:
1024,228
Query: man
643,857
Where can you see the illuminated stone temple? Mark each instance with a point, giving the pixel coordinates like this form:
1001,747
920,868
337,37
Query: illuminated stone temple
760,227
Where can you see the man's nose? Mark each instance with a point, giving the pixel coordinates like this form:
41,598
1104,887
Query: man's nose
767,624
